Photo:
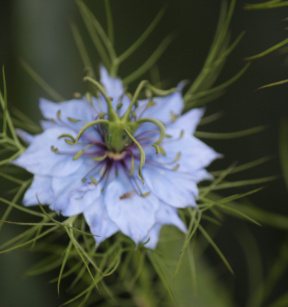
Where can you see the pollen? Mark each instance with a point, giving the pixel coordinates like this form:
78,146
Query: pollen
125,195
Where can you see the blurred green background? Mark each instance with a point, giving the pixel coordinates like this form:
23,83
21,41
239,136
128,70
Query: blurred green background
39,32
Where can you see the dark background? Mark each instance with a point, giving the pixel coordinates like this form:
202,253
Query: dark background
39,33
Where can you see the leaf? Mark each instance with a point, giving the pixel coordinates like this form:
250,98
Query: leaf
150,62
218,53
40,81
273,84
82,49
229,135
283,148
161,269
267,51
141,38
266,5
262,216
216,248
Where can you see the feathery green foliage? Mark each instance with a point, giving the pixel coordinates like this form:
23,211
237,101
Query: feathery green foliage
117,271
266,5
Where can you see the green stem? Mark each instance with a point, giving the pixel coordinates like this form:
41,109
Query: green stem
109,22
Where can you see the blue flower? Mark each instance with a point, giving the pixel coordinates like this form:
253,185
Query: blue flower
126,164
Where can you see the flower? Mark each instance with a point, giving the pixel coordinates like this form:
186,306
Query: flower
126,164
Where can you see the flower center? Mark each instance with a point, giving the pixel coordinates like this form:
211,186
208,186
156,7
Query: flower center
118,132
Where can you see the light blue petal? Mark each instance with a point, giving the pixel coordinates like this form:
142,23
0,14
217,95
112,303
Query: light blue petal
153,236
172,187
72,196
188,121
115,90
76,108
201,175
133,214
99,104
25,136
39,191
41,160
45,124
125,101
166,215
163,108
194,153
113,86
98,220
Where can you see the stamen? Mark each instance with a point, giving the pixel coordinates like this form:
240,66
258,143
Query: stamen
159,148
132,165
150,103
74,120
101,158
89,100
162,150
176,167
142,154
176,159
173,116
132,179
145,194
66,125
101,115
176,139
105,175
54,149
59,114
80,152
94,180
127,195
146,132
105,168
